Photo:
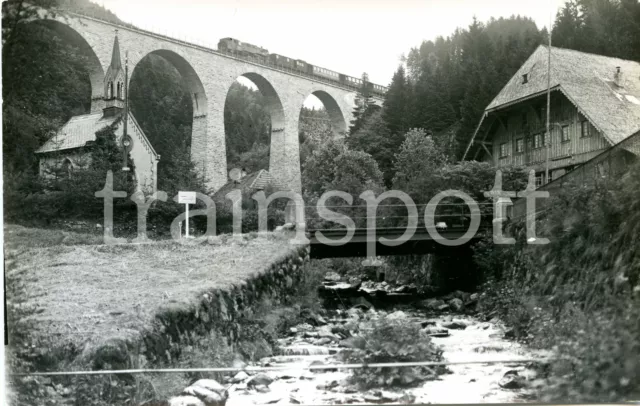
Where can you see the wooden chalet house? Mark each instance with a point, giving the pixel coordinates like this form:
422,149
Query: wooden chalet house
595,103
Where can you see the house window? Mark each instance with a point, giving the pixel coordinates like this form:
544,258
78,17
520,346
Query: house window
539,179
585,129
565,133
525,78
525,123
537,141
520,145
503,150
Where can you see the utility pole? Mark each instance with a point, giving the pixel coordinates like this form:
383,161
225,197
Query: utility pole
126,140
548,132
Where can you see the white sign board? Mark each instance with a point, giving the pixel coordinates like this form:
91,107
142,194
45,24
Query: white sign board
187,197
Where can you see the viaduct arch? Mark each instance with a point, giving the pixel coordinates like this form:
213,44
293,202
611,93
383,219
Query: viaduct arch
209,74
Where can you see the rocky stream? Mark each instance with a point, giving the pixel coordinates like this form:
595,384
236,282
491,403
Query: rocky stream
449,321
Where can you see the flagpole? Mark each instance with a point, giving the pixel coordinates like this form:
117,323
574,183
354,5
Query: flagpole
125,137
548,133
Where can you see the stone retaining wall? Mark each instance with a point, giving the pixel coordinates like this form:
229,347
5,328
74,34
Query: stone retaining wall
219,309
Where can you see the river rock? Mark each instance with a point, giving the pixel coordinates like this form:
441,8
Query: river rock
455,325
355,281
397,315
406,289
208,391
328,334
456,304
434,331
428,323
361,303
341,331
239,377
322,341
262,388
407,398
259,379
511,380
431,304
186,401
509,334
443,308
312,318
332,277
387,396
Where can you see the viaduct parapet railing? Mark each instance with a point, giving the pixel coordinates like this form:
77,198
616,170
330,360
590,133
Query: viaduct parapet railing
377,90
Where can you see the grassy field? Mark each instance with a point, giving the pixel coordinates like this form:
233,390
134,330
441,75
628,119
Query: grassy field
86,291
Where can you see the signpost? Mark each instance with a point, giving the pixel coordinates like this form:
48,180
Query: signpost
187,198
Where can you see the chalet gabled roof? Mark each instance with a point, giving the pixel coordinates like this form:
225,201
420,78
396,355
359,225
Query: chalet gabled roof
587,80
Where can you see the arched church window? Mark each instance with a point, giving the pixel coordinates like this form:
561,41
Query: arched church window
67,167
110,91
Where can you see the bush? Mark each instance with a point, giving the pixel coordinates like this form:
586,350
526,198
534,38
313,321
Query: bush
579,294
394,340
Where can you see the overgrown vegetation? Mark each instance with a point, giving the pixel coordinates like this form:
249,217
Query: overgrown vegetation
392,339
580,294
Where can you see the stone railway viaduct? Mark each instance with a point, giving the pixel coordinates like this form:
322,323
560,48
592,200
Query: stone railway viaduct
208,75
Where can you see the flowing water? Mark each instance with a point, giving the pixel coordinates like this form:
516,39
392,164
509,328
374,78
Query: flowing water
466,383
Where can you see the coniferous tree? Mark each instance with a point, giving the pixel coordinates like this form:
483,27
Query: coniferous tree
364,105
396,111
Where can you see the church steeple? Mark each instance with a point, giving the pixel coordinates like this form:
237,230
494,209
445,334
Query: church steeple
114,82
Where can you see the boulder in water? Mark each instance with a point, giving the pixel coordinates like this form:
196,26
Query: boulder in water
456,304
511,380
259,379
332,277
433,331
455,325
208,391
186,401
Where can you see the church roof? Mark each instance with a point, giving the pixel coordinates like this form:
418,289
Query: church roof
77,132
82,129
587,80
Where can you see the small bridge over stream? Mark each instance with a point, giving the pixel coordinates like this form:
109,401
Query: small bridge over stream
448,229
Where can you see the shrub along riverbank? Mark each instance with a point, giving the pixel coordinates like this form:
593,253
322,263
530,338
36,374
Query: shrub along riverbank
580,294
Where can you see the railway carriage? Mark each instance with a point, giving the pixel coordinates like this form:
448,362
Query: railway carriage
234,46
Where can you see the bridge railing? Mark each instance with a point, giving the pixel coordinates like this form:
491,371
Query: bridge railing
376,89
395,217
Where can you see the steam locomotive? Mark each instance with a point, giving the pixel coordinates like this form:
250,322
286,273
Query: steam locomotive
233,46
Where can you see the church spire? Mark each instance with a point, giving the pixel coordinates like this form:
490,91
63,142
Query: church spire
114,82
115,55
